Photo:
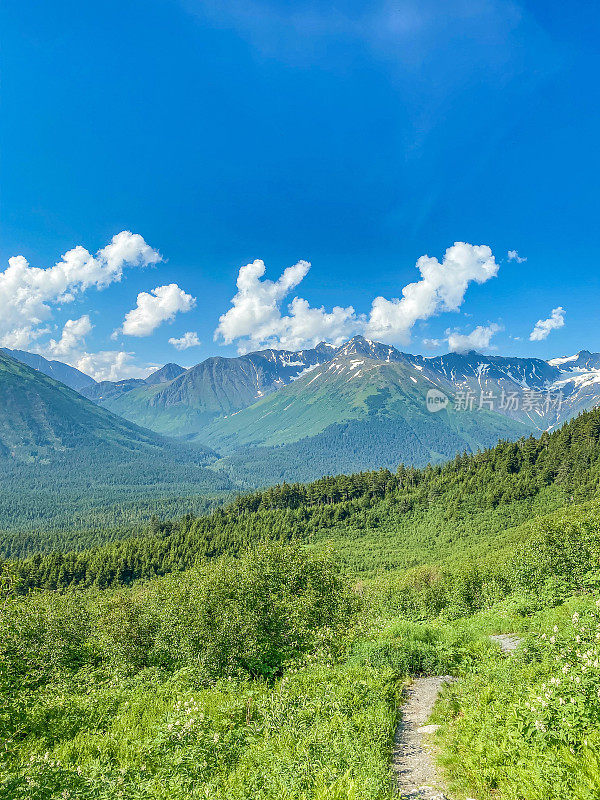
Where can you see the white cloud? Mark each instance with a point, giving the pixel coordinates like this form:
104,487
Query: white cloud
72,338
27,293
478,339
442,288
432,342
21,338
189,339
155,307
255,319
110,365
544,326
514,256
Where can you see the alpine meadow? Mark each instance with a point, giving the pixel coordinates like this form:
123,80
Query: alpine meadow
299,400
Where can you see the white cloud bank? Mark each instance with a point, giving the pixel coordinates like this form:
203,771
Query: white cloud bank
72,338
543,327
111,365
189,339
478,339
255,318
27,294
105,365
442,288
153,308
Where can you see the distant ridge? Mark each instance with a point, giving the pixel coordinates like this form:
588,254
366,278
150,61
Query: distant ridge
70,376
165,374
60,453
288,415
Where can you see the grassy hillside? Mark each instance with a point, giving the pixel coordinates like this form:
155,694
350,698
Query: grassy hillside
354,388
272,675
216,387
260,651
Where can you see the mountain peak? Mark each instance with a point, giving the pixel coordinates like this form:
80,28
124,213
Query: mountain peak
167,373
584,359
361,346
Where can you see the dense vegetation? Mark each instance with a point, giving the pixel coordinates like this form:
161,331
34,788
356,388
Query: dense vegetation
528,727
65,462
259,651
349,447
418,515
67,506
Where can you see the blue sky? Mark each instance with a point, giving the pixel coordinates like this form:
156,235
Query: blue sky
355,136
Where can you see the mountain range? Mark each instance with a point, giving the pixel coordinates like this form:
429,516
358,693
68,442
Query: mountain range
217,387
70,376
277,415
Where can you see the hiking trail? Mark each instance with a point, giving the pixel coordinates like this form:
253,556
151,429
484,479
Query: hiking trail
413,765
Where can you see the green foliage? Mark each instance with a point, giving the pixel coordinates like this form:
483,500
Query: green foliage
66,462
561,553
225,682
235,617
378,520
527,727
208,659
320,732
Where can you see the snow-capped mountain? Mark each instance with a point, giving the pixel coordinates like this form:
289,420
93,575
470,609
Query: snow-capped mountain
539,394
458,368
548,393
578,382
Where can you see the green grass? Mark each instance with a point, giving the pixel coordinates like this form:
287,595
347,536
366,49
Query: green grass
277,673
321,731
509,730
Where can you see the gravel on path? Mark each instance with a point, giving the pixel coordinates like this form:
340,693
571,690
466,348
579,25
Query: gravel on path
507,641
412,762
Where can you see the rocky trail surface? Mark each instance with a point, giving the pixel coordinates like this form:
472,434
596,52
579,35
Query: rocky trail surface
413,765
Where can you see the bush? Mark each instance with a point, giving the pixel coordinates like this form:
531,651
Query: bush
247,616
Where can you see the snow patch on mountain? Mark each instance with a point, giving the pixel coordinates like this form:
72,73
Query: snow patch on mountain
557,362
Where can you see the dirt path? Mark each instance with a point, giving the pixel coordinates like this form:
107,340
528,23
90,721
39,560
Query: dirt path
412,761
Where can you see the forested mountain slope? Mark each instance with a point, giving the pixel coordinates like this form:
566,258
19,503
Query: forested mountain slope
58,449
378,519
279,415
54,369
215,387
349,414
